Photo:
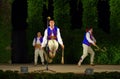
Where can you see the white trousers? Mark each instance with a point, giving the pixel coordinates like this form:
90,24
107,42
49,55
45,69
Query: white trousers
38,52
86,50
53,46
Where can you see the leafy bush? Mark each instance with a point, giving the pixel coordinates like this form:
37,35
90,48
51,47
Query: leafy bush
115,14
5,29
89,12
16,75
35,23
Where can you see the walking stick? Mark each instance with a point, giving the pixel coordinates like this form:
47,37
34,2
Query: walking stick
62,59
100,49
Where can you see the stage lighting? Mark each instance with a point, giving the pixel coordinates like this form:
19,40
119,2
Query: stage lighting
89,71
24,69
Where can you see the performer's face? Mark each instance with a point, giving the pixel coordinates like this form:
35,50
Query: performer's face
91,30
51,23
38,34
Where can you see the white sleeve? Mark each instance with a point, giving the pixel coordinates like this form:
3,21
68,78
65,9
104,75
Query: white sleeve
93,38
59,37
33,42
44,39
88,38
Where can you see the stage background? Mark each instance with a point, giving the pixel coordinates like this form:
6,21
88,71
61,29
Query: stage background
21,19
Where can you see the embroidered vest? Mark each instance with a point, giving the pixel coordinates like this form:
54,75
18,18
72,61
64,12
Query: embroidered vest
41,39
85,41
50,32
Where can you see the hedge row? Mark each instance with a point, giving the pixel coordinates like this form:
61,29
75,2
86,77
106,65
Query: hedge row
16,75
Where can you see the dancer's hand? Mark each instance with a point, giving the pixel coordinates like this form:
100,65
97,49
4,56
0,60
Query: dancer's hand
62,46
42,48
94,44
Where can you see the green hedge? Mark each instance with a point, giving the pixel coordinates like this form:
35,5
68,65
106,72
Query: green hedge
111,42
115,14
16,75
5,31
35,23
62,14
90,17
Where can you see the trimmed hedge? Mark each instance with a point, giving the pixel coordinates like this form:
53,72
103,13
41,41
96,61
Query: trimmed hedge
115,14
16,75
62,14
35,23
5,31
90,17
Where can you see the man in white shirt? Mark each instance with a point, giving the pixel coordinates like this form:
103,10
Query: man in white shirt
52,37
87,41
38,50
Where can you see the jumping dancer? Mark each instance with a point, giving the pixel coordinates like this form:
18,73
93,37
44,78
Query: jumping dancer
52,37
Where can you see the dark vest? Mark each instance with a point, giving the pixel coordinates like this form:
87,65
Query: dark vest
85,41
53,31
41,39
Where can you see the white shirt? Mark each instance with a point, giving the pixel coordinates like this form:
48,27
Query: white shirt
36,42
89,39
46,35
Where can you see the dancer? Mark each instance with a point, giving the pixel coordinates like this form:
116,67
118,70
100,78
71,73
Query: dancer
38,50
52,37
87,41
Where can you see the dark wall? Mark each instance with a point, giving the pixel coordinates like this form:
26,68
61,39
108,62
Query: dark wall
104,15
76,14
19,26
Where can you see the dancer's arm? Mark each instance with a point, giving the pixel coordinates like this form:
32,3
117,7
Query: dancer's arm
59,38
44,39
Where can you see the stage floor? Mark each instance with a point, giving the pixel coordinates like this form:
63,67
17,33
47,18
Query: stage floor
58,68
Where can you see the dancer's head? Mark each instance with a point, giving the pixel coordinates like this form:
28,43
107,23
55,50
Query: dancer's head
89,29
38,34
52,23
